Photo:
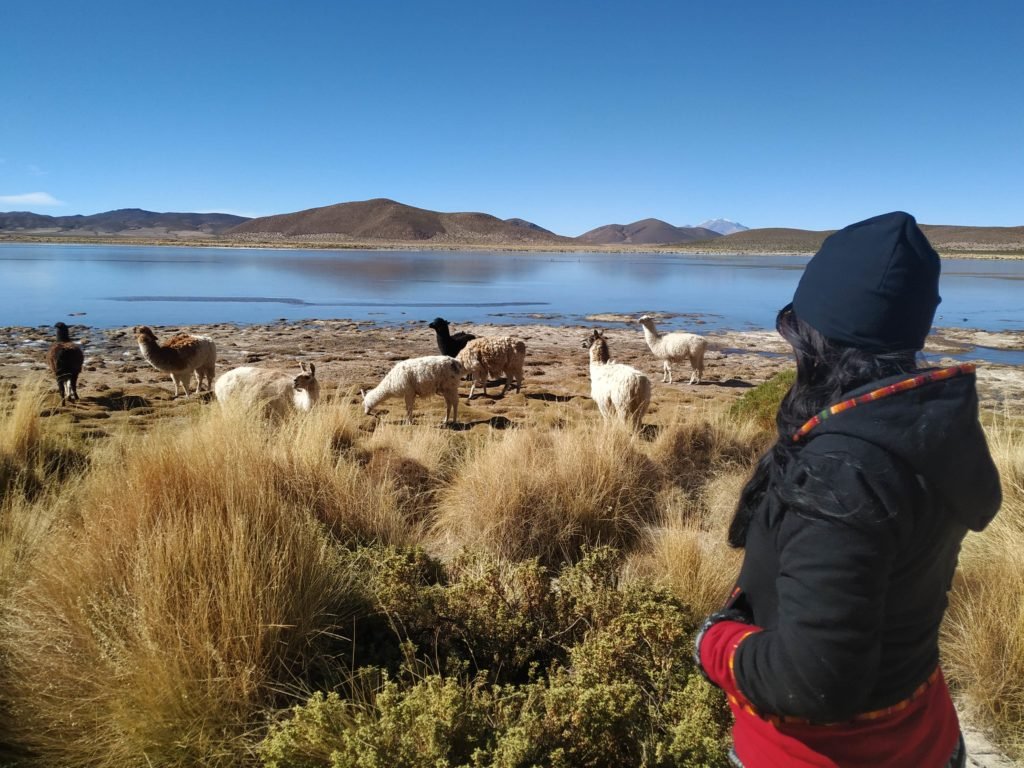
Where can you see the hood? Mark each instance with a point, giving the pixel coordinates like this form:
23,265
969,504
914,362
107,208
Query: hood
934,428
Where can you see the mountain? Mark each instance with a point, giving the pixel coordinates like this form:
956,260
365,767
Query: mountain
974,238
645,232
125,221
945,238
390,221
723,226
774,239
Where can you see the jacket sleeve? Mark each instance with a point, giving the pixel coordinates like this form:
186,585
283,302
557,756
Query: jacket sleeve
835,558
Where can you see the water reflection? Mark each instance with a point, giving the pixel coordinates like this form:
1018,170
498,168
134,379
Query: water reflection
123,285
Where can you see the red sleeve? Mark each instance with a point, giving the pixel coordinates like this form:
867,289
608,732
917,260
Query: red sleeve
718,649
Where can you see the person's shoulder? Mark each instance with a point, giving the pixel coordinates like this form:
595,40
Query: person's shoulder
855,479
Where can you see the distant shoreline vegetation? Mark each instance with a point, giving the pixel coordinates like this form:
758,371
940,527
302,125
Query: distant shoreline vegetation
704,248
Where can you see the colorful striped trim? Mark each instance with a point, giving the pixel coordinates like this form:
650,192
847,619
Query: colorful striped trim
900,386
876,714
734,698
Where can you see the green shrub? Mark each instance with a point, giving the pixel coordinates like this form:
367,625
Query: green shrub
530,668
761,403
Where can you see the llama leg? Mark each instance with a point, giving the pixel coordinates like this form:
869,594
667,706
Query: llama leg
410,399
74,387
174,381
667,375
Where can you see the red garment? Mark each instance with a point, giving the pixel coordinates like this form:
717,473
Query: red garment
921,732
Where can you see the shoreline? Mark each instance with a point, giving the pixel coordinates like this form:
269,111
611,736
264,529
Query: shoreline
118,386
702,249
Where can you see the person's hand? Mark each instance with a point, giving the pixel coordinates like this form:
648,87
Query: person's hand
726,614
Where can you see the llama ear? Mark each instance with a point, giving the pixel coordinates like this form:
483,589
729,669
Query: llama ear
312,370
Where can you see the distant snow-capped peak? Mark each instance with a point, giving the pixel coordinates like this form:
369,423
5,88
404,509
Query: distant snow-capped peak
723,226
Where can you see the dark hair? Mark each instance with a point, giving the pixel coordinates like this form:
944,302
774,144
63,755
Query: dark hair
825,370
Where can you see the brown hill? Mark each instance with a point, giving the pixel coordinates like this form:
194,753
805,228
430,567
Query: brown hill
975,238
945,238
645,232
776,239
387,220
131,222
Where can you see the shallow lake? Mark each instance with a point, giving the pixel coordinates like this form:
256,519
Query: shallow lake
111,285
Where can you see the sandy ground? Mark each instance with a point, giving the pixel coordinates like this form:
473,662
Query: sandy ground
120,389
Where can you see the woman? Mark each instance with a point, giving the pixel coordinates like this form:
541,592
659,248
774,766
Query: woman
852,523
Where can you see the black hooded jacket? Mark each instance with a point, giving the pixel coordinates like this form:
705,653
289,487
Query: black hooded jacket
850,589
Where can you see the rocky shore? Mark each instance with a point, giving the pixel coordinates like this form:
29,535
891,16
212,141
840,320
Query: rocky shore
118,384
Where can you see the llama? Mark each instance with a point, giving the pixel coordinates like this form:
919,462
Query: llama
619,390
449,343
65,360
277,392
491,357
420,377
675,348
182,355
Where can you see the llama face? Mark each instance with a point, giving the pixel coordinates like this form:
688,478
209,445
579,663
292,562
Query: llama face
144,333
305,380
595,336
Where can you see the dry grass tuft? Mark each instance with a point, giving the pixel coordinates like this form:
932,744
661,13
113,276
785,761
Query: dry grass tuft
548,495
983,635
695,448
30,455
188,588
689,555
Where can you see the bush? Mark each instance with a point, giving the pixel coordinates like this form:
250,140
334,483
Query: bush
762,402
572,670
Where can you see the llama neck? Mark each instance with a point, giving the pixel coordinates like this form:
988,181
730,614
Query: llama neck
159,356
598,353
373,397
651,335
304,399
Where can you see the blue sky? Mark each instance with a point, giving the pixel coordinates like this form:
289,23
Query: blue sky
569,114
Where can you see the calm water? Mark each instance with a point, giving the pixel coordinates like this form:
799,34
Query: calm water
127,285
